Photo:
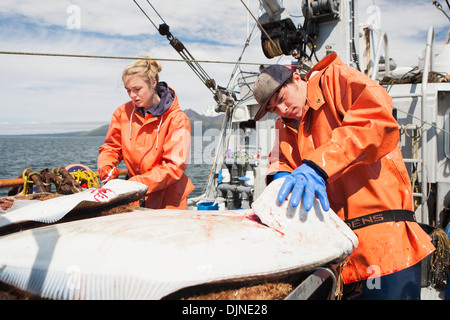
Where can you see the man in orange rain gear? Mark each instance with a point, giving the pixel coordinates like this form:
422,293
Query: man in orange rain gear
338,140
151,134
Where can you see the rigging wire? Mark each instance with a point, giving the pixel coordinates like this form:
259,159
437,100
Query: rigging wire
147,15
173,60
439,7
191,59
155,11
163,29
247,43
120,57
422,122
259,24
238,64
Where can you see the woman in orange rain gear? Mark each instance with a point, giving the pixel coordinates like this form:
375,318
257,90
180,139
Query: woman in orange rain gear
338,139
151,134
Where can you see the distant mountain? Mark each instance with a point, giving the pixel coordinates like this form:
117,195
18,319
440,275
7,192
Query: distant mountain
207,122
100,131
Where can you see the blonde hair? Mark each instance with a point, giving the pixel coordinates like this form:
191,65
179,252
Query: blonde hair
147,68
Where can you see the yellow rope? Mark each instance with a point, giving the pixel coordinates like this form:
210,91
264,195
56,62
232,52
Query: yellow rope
27,182
89,177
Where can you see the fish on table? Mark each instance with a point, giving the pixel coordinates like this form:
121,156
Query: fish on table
150,254
114,192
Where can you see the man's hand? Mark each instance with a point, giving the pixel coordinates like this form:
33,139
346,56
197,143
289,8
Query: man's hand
304,182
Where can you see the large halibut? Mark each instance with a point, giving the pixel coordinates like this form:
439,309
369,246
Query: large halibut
49,211
149,254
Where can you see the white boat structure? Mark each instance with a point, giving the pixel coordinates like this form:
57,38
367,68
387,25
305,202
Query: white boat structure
243,235
420,97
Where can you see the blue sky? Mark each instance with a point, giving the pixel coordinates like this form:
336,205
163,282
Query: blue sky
54,94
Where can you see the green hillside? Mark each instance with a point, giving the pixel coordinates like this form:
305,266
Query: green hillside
206,122
100,131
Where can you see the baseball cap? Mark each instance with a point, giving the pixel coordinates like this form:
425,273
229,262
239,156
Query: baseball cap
267,83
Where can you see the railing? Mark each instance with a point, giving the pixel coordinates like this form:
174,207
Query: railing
427,67
424,134
382,40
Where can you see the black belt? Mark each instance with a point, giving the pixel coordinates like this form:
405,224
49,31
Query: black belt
380,217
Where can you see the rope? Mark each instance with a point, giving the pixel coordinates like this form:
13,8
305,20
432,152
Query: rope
339,292
440,259
259,24
422,121
120,57
388,88
81,176
65,182
26,182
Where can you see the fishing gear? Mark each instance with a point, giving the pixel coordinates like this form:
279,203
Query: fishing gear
280,36
224,97
164,30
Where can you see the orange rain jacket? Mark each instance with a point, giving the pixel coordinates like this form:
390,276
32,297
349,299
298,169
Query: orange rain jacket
348,130
155,150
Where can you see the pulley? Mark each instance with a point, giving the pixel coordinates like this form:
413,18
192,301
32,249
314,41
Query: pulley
284,38
164,30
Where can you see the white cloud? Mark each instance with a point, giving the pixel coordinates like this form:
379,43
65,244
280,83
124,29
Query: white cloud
406,23
55,89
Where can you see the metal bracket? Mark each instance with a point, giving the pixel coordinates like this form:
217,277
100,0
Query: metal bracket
312,283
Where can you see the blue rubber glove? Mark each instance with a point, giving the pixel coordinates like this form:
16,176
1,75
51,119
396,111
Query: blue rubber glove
304,182
280,174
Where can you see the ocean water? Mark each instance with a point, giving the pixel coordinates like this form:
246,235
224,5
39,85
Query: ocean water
18,153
